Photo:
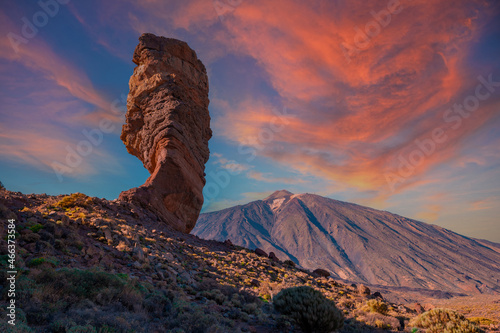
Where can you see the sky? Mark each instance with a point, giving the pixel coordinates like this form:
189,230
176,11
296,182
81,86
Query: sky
390,104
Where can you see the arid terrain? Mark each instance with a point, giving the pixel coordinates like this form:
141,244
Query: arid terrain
148,262
91,265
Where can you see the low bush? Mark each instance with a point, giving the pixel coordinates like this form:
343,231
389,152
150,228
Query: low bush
375,305
444,321
74,200
378,320
36,228
309,308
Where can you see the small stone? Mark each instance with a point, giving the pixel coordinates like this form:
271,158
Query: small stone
122,246
255,283
418,308
363,290
93,251
273,256
65,220
109,237
26,231
138,253
169,257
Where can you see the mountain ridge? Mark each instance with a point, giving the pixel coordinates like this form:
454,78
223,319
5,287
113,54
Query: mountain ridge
358,243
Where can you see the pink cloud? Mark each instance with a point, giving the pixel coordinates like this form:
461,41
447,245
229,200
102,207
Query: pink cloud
355,117
47,101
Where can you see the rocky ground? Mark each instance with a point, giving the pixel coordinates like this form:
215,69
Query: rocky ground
91,265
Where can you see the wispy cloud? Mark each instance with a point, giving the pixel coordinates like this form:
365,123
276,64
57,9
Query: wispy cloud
484,203
245,198
49,100
269,178
231,165
360,115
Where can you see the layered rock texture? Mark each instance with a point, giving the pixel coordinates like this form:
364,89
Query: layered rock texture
359,244
168,128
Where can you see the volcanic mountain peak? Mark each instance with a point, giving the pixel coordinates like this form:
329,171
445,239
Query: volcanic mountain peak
358,243
277,200
279,195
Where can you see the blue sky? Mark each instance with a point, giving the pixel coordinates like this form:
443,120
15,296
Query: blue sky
342,99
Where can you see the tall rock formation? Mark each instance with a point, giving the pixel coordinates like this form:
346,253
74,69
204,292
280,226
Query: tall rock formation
168,127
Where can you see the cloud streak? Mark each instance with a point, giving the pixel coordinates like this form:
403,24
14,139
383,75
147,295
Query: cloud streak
355,118
48,100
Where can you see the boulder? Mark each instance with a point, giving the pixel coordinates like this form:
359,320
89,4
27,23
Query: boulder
260,252
273,256
168,127
363,290
321,272
418,308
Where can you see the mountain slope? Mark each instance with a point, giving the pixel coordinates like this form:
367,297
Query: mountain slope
358,243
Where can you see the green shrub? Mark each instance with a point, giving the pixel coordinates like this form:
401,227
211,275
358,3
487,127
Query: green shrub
36,228
157,304
195,320
444,321
41,260
72,285
82,329
36,262
312,311
375,305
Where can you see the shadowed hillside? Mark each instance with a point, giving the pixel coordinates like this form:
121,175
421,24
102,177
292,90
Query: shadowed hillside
358,243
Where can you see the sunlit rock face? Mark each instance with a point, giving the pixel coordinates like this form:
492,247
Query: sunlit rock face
168,127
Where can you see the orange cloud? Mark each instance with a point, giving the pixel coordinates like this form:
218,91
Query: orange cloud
354,113
483,204
354,118
430,213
